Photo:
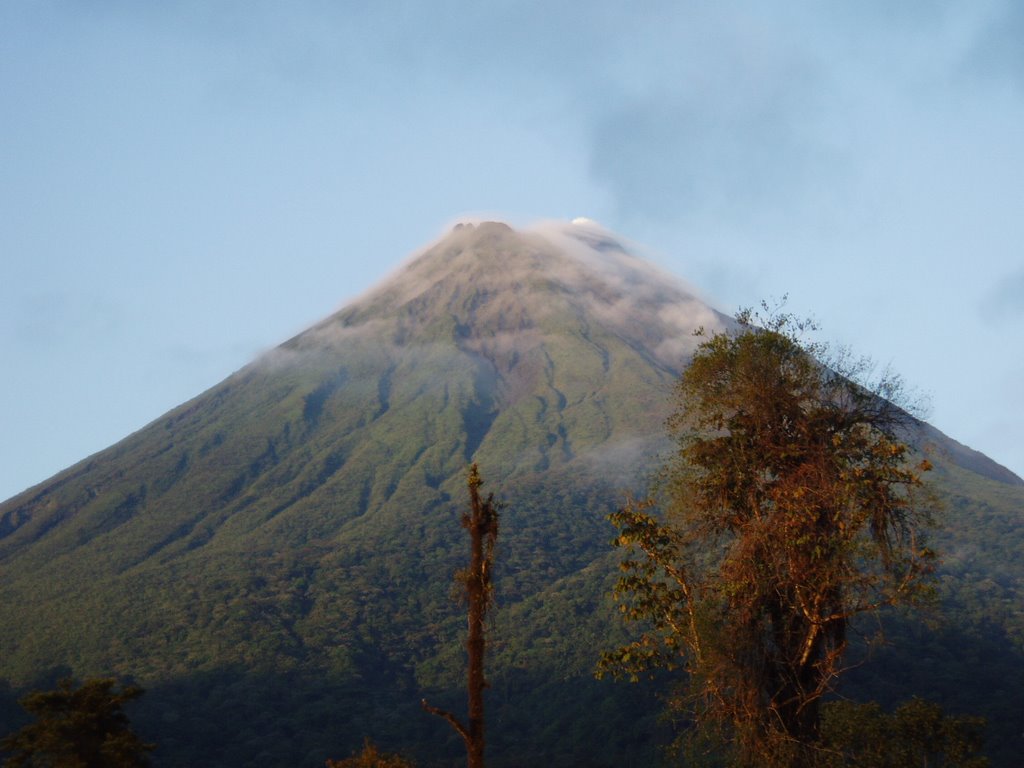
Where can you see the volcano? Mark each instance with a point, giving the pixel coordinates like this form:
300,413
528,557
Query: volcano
273,560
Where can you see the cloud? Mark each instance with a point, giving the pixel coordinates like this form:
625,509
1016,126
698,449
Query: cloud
62,319
726,127
586,268
1005,301
997,50
663,158
616,460
678,105
633,297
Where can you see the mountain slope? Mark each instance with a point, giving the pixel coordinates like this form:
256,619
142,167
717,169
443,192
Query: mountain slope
283,545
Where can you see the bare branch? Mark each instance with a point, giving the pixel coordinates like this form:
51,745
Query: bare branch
452,720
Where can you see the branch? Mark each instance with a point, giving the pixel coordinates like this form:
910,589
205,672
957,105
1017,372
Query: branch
452,720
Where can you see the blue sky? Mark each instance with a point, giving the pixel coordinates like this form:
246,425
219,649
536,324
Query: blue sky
185,184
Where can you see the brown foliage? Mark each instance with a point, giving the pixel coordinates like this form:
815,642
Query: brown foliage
791,508
371,757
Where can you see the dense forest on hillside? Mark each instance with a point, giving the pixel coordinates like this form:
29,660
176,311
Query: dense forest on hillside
262,698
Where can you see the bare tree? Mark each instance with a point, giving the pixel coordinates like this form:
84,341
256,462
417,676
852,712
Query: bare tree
482,523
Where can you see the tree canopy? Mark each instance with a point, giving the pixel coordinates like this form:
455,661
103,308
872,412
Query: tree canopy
78,727
917,733
790,508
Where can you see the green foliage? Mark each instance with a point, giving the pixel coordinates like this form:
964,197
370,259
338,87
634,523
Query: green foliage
918,733
792,510
78,727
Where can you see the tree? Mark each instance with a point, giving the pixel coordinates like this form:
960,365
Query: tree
791,509
371,757
917,734
80,727
482,524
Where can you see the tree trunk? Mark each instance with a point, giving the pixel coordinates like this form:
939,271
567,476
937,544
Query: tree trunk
477,588
482,524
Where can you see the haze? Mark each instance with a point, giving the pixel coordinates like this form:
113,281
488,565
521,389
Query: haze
186,184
